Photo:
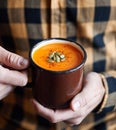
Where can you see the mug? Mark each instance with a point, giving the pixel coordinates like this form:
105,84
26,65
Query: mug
55,87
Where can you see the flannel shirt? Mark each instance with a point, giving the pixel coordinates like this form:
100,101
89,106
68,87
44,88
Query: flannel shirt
92,23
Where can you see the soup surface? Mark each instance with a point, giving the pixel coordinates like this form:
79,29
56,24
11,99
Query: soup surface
72,56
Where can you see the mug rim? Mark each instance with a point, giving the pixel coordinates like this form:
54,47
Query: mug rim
63,71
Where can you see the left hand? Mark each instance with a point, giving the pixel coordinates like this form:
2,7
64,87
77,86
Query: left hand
81,105
13,71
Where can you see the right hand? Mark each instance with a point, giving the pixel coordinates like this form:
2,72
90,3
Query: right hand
81,105
12,71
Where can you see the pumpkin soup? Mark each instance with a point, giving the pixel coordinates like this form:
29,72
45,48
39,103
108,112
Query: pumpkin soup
57,56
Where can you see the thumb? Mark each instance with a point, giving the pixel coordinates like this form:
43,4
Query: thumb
12,60
76,103
92,92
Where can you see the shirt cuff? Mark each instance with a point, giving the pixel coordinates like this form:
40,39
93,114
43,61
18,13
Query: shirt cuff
109,100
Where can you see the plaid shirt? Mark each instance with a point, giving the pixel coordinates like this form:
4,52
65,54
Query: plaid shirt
92,23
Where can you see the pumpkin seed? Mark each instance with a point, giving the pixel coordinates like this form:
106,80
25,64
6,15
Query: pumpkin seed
56,57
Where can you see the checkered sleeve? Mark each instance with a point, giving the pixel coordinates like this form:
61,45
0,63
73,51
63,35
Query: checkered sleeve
109,101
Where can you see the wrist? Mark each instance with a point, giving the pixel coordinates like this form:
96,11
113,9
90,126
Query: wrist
101,105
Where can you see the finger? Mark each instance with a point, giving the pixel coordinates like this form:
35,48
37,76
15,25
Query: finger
51,115
42,111
13,77
12,60
5,90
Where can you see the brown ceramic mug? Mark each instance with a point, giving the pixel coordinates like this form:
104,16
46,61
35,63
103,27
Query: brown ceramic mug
55,88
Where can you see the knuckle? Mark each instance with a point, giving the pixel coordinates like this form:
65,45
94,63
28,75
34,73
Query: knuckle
9,58
12,58
53,118
93,75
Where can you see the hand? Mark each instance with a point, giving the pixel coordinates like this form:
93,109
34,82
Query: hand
81,105
12,71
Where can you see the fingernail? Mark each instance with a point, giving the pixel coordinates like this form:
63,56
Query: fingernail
76,105
24,62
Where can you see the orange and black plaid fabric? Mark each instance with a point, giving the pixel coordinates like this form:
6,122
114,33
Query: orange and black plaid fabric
92,23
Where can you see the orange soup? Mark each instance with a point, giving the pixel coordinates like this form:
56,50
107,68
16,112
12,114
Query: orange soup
72,56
